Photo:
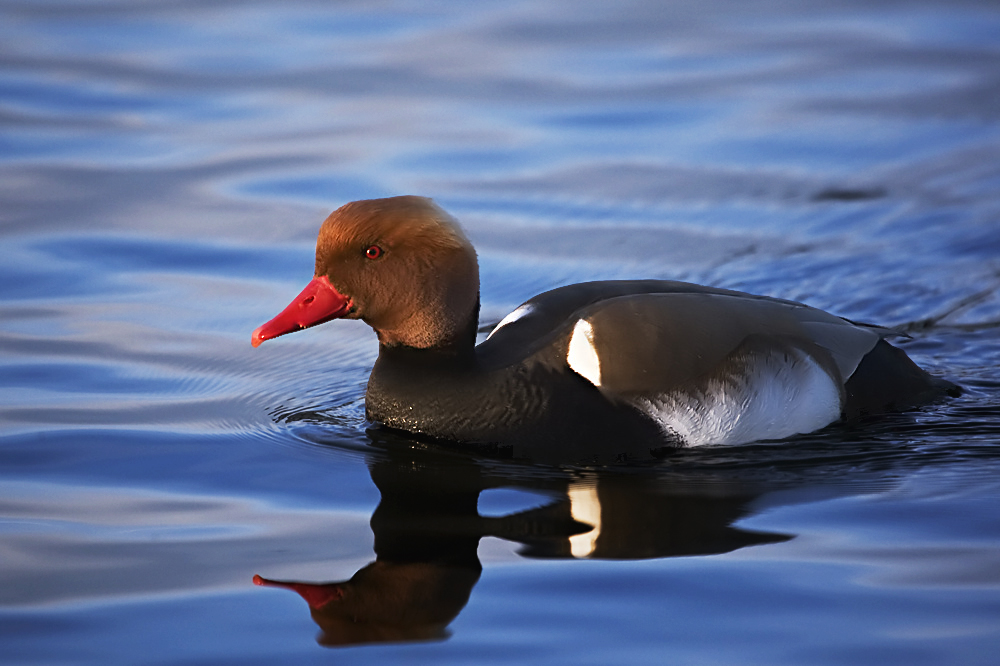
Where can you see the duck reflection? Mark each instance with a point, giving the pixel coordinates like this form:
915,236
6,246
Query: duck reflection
427,530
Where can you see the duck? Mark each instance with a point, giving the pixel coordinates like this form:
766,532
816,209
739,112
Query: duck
596,371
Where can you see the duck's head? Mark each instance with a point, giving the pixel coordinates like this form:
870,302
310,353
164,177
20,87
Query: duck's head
402,265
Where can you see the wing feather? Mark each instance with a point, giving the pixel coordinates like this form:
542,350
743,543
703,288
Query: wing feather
653,343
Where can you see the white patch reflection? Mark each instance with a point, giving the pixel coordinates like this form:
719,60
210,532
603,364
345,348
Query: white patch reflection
586,508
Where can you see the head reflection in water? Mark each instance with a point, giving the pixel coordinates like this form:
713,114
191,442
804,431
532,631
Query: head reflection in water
386,602
427,530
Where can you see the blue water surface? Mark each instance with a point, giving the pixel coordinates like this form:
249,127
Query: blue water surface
164,167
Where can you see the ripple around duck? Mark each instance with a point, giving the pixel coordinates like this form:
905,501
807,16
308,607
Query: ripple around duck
315,403
863,457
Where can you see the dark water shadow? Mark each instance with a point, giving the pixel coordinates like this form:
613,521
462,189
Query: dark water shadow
428,527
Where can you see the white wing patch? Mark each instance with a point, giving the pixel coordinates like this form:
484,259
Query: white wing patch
773,396
520,311
585,507
582,355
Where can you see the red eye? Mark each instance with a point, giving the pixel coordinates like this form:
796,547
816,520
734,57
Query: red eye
374,252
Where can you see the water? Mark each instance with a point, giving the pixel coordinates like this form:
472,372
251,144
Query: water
164,167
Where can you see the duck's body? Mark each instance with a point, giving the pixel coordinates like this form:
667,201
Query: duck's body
613,369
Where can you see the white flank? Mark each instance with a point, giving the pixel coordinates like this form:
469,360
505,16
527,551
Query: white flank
776,396
585,508
521,311
581,355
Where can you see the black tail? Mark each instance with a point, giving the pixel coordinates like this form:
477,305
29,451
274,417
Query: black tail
888,381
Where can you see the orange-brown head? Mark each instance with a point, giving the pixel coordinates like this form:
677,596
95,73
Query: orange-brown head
402,265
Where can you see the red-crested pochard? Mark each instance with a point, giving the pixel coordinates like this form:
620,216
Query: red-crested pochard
616,368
